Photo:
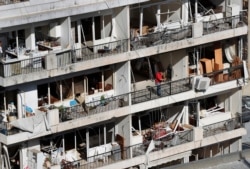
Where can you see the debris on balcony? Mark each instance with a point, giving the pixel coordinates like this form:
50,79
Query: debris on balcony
164,132
33,124
213,115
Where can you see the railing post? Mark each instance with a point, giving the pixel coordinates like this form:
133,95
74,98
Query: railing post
170,87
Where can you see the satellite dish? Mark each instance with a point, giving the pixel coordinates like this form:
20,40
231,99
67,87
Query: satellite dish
230,52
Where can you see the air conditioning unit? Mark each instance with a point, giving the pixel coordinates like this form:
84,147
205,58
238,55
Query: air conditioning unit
202,83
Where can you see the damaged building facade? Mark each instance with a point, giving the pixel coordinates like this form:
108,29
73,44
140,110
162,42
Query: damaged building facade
78,82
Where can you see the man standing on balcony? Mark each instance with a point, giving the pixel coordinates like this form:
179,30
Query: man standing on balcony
158,79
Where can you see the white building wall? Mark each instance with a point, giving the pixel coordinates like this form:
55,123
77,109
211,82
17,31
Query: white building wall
27,96
179,61
121,23
122,78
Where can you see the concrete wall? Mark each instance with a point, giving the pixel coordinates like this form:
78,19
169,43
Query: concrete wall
27,96
66,40
121,23
35,11
236,105
124,129
179,61
122,78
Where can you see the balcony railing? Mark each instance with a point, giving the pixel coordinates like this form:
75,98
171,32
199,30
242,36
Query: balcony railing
92,52
167,89
17,67
225,75
172,35
94,107
12,67
220,127
124,153
7,129
166,36
222,24
140,149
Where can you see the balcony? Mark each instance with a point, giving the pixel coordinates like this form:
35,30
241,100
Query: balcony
115,102
167,89
92,52
186,32
162,37
14,67
94,107
179,139
223,24
124,153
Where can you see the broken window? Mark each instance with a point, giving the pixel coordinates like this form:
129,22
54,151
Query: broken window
78,85
100,81
87,33
93,82
108,80
42,91
96,136
97,24
144,69
67,89
74,32
107,26
47,36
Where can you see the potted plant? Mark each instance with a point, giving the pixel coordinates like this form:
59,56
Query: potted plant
102,101
62,113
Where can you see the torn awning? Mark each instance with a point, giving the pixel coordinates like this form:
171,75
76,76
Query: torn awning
33,124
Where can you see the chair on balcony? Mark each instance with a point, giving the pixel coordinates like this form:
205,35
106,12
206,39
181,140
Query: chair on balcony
105,49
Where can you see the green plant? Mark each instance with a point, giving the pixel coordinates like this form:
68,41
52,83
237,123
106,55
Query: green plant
61,108
102,100
102,97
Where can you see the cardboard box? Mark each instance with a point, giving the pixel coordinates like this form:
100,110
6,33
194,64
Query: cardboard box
218,77
206,65
218,58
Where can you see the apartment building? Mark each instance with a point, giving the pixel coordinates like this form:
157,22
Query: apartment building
78,82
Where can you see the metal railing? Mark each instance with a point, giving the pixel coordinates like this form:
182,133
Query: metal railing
92,52
225,75
94,107
221,127
167,89
119,154
64,58
162,37
222,24
12,67
7,129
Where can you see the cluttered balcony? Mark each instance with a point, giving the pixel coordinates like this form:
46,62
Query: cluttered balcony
169,141
151,37
123,153
105,101
167,89
35,61
76,109
91,52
